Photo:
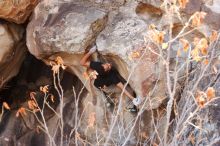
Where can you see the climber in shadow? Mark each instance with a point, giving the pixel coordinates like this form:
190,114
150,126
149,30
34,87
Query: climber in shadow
108,76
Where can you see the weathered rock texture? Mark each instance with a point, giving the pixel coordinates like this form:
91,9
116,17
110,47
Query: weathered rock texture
72,27
69,28
12,50
16,10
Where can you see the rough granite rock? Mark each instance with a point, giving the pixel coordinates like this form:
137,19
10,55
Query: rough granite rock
67,27
12,50
123,35
16,10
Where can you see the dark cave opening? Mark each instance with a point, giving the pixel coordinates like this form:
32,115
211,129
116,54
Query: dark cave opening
32,75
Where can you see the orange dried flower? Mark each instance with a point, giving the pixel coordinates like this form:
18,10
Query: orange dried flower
183,3
198,18
6,106
195,54
185,44
213,36
201,99
159,37
44,89
21,111
210,92
32,105
135,54
203,45
152,26
59,60
206,61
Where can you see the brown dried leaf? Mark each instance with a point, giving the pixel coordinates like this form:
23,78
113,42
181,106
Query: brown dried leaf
135,54
6,106
198,18
201,98
157,36
195,54
152,26
44,89
185,44
59,60
32,105
206,61
204,51
203,45
183,3
160,37
21,111
201,101
210,92
213,36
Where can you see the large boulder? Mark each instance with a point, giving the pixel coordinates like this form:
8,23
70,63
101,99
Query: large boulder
16,10
66,27
12,50
123,36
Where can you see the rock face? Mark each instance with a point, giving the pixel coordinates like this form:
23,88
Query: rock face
123,35
67,29
210,125
16,10
118,34
12,50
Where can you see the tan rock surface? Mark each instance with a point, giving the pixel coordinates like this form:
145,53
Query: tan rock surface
16,10
12,51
